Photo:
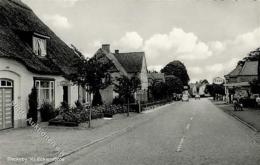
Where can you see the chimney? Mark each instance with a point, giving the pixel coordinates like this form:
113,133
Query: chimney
116,51
106,47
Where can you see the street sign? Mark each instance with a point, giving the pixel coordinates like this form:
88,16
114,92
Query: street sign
218,80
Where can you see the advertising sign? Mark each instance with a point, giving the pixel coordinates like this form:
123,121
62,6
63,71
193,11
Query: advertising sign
218,80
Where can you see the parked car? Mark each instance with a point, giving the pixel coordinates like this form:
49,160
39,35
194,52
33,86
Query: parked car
197,97
185,97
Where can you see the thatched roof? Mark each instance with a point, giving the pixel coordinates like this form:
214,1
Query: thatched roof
250,68
122,62
18,22
132,62
235,72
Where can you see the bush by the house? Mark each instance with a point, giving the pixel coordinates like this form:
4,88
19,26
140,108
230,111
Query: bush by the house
32,112
97,99
118,101
72,116
47,112
67,116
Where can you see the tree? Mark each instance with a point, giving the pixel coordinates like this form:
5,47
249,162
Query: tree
157,88
177,69
174,85
255,88
89,73
126,87
255,56
214,89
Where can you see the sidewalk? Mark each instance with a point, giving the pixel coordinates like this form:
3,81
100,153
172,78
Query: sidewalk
25,143
249,116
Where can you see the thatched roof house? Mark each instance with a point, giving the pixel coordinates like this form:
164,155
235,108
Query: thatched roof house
31,55
128,64
18,23
239,79
242,74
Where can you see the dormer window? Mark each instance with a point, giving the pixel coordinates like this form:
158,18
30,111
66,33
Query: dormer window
40,44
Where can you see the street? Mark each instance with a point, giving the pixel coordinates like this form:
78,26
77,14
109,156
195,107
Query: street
194,132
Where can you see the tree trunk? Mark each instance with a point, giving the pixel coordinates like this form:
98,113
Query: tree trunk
89,118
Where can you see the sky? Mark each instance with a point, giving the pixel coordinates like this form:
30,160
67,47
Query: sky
208,36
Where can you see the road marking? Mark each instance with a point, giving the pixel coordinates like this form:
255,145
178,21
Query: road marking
191,118
188,126
180,145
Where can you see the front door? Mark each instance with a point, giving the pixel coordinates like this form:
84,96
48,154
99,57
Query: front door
65,94
6,108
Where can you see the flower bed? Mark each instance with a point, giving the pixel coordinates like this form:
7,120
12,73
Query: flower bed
75,115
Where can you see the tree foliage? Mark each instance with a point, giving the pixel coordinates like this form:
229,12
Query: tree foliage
126,86
158,89
255,86
214,89
174,85
89,72
177,69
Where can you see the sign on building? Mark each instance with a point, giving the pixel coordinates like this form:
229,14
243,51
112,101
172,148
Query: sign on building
218,80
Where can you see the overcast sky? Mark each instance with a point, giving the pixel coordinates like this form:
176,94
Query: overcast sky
209,36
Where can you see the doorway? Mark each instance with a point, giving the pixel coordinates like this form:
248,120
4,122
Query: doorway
6,104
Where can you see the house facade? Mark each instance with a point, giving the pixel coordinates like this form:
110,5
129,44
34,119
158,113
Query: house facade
193,89
202,88
238,80
31,55
128,64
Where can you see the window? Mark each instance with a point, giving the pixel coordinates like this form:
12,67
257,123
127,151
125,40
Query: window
6,83
45,91
39,46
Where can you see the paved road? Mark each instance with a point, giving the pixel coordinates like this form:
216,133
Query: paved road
194,132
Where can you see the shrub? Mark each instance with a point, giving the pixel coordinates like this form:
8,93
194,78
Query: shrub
248,102
33,105
47,112
81,111
118,101
97,99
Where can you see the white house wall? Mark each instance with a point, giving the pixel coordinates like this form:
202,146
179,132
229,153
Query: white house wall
144,76
23,82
